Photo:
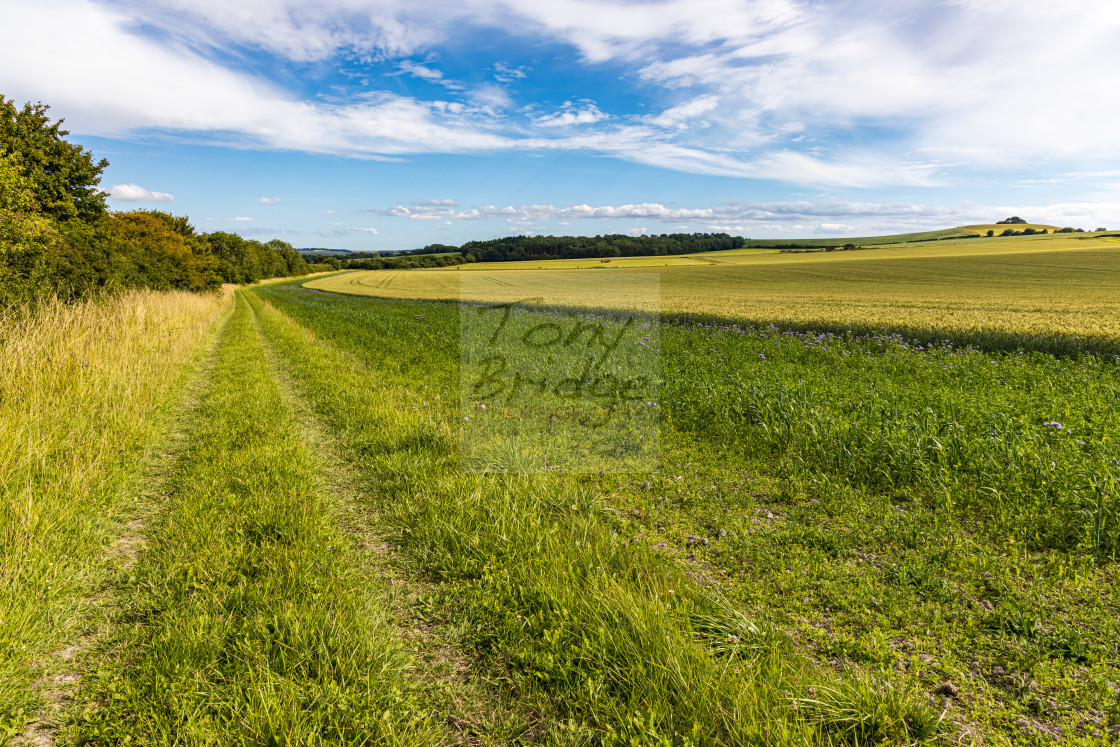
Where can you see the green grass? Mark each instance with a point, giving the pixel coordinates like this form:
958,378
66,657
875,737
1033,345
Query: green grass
898,238
904,513
88,394
628,648
851,539
249,617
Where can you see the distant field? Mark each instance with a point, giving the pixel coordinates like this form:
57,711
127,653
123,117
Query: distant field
899,238
1051,293
982,228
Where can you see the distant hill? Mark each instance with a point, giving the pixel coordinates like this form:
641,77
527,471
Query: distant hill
898,238
325,252
981,229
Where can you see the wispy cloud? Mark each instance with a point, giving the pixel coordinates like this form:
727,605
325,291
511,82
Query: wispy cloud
429,74
239,219
136,193
572,114
269,200
810,93
506,73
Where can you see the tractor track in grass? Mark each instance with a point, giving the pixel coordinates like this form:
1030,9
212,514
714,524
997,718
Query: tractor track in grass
250,616
453,688
69,664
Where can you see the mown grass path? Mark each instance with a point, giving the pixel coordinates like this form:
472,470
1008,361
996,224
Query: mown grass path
249,617
88,398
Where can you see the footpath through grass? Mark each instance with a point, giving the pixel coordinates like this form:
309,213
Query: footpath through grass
86,393
852,540
250,617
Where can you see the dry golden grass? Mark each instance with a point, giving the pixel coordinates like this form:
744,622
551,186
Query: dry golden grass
83,389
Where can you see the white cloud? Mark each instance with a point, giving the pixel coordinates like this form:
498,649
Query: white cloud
679,115
332,212
373,231
430,74
507,74
136,193
139,83
572,114
269,200
239,219
769,89
829,217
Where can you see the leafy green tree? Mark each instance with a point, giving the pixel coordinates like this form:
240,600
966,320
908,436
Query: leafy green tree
236,262
150,253
25,236
294,263
62,176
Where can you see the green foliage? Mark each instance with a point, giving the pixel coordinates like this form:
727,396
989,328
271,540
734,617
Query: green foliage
1020,440
243,260
159,251
57,239
513,248
63,176
25,235
375,261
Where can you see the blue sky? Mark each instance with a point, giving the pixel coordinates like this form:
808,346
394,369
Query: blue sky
398,123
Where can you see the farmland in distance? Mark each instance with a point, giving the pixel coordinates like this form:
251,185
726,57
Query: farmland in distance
1046,292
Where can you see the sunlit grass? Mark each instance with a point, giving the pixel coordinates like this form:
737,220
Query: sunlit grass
84,389
249,617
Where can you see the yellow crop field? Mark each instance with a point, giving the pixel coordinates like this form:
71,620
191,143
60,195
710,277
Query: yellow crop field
1034,288
982,228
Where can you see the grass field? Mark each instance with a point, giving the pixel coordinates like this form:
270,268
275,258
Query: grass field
937,531
899,238
249,518
1051,293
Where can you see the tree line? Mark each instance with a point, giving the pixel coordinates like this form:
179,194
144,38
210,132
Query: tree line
537,248
58,238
